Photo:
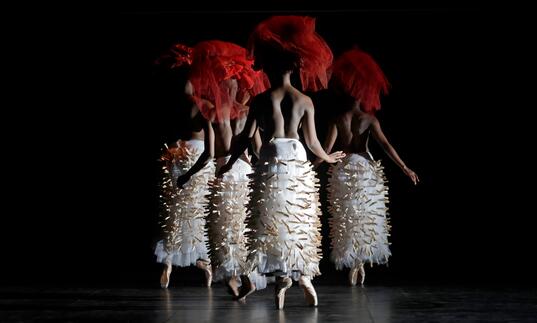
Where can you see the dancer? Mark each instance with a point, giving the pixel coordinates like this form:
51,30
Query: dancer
182,210
357,191
221,75
285,236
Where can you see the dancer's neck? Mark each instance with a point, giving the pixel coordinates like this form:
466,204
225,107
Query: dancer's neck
281,80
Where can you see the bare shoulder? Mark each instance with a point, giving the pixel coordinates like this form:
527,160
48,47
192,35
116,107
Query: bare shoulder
373,121
369,118
364,121
304,101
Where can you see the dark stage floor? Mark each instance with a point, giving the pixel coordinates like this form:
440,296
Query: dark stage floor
337,304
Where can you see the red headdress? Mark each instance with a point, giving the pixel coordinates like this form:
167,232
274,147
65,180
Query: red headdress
216,65
357,73
177,56
296,35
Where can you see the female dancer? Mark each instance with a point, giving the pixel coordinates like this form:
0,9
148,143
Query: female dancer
182,210
221,75
285,237
357,192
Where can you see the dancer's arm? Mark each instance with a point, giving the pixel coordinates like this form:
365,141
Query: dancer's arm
204,158
329,142
240,144
310,135
390,151
257,143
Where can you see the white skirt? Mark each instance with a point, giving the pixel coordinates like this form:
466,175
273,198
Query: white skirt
359,226
183,211
285,211
227,220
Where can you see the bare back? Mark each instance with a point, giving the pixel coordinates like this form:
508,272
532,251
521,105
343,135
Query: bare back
224,133
279,112
353,130
226,129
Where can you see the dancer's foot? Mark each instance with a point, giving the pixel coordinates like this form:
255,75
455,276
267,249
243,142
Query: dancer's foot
353,276
233,286
247,288
282,284
309,291
165,276
206,267
361,272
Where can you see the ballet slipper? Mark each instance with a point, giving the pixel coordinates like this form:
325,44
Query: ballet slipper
206,267
233,286
282,284
247,288
309,291
165,276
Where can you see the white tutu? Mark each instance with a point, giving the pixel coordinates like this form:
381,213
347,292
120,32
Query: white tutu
227,220
285,211
359,226
183,210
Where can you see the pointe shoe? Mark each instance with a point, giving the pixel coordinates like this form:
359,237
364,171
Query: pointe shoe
309,291
282,284
233,286
361,271
165,276
206,267
247,288
353,276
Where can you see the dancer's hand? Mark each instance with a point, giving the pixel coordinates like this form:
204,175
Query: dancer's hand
335,157
181,180
413,176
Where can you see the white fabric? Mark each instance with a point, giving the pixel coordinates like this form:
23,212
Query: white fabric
285,211
359,227
227,223
183,210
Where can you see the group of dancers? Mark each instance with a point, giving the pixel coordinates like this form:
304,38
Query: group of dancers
240,223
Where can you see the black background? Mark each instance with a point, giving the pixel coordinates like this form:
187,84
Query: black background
454,113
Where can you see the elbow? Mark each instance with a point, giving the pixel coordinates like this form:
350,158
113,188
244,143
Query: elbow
313,144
